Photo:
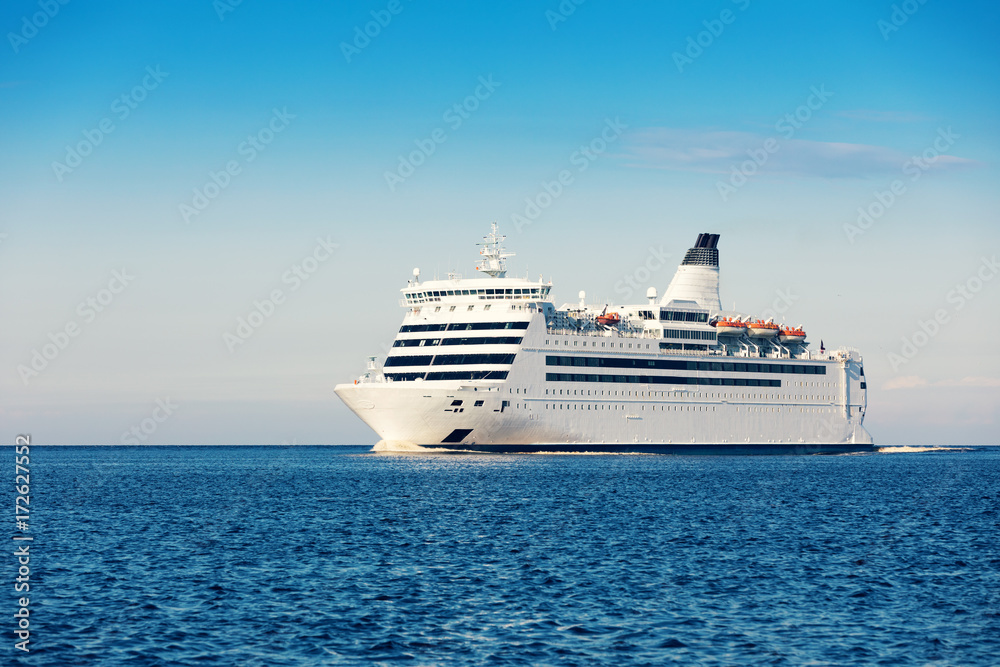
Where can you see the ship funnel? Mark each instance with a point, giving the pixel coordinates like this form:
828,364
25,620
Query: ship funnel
697,278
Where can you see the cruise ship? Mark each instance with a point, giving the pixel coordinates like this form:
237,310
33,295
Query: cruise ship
490,364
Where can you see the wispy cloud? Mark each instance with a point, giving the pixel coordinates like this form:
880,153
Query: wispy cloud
917,382
906,382
718,152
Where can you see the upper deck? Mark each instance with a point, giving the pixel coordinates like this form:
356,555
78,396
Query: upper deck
457,290
465,316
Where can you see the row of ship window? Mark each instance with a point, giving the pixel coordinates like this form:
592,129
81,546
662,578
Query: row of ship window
683,365
447,375
601,406
674,408
462,326
485,340
682,393
684,346
700,347
638,346
490,293
674,316
661,379
450,359
686,334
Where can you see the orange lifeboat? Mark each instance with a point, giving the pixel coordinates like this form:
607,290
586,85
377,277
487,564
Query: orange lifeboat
730,327
759,329
608,319
791,335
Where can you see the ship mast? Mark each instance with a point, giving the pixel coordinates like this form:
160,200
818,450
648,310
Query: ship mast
494,257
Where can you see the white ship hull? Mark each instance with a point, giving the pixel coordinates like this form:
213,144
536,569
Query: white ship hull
617,417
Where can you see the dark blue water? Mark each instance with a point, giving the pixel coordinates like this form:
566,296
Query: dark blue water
290,556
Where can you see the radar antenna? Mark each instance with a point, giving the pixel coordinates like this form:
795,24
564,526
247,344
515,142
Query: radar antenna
494,257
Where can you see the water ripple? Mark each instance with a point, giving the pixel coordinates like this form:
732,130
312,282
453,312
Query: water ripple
301,556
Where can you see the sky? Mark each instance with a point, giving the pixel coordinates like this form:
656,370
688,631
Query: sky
172,168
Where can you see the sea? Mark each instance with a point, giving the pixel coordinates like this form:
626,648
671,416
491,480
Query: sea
335,555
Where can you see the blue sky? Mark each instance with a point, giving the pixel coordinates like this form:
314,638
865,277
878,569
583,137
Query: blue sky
834,100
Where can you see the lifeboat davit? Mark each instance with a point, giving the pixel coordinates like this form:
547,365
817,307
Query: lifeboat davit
608,319
730,327
760,329
791,335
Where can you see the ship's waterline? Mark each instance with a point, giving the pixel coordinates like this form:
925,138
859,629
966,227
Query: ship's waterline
490,364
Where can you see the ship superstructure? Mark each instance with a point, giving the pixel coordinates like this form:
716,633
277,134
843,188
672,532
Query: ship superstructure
491,364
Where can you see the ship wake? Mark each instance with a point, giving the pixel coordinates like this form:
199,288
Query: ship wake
406,447
916,449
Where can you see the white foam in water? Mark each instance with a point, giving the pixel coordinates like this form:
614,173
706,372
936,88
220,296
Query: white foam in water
404,447
913,449
595,453
396,446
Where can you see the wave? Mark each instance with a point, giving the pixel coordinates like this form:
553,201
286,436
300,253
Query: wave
556,453
404,447
919,449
